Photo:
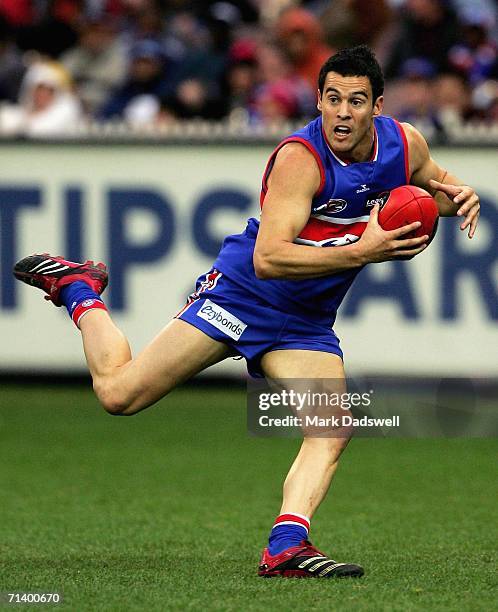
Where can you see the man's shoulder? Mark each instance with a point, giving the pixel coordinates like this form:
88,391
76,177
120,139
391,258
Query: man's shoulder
417,145
297,165
418,150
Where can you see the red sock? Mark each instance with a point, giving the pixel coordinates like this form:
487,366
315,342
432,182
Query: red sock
82,309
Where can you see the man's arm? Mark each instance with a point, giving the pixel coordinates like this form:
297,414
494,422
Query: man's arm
451,195
293,181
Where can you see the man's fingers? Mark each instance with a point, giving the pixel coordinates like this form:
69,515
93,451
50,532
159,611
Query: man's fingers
468,205
468,219
469,215
473,225
407,253
409,243
471,220
463,195
451,190
374,214
405,229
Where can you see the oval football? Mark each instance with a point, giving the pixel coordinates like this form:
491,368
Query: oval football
407,204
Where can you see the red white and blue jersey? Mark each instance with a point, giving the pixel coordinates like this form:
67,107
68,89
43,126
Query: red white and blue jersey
339,213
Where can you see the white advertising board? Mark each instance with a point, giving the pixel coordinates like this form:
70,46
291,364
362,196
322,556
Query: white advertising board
157,214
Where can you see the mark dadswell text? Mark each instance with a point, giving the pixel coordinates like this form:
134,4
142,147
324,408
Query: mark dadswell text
344,420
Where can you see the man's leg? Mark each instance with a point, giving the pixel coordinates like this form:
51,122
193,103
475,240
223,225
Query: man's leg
311,473
289,553
124,385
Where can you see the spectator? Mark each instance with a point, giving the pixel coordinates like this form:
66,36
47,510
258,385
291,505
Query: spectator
146,76
475,54
410,98
199,79
206,60
11,65
352,22
485,101
275,102
274,67
300,35
241,78
97,63
47,107
146,61
451,98
142,19
193,99
429,28
54,29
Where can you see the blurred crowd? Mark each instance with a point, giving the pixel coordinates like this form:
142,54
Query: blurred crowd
64,63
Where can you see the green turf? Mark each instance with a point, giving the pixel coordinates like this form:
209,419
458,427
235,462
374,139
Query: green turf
169,510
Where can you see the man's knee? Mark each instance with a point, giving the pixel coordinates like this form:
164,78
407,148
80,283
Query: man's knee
331,442
120,399
113,398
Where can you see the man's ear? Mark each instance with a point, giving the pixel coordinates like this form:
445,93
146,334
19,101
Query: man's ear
319,100
378,106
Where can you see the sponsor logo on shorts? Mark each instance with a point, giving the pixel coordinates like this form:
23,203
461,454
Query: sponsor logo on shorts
223,320
380,199
87,303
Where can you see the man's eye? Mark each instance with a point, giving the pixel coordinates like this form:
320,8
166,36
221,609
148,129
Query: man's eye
357,102
333,99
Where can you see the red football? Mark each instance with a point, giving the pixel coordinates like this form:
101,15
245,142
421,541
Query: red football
407,204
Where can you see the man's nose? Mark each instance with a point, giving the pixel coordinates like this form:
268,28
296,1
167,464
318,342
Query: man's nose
343,110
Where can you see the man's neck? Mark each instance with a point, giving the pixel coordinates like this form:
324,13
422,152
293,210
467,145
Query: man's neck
363,151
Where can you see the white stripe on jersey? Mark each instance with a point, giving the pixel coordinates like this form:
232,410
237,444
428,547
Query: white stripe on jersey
340,221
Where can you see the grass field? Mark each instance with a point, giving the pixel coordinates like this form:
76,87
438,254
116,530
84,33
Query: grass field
169,510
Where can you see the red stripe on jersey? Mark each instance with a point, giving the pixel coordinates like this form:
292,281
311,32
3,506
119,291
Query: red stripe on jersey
318,230
271,160
294,518
405,148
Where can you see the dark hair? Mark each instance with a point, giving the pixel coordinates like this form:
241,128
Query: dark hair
355,61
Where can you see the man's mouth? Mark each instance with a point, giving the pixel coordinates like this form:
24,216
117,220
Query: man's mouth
341,132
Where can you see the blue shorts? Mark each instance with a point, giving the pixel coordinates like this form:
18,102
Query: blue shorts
250,326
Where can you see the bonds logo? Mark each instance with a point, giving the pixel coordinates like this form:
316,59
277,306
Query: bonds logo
379,198
223,320
334,205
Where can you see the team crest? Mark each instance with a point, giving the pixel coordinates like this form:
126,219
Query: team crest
334,205
379,198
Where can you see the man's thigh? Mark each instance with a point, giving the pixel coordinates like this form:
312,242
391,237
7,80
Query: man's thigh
318,378
177,353
303,364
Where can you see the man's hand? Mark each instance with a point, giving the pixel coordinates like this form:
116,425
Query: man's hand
379,245
467,201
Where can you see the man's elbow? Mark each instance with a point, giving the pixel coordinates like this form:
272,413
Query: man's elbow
262,266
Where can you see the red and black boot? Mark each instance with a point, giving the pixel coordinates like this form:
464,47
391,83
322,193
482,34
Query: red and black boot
305,561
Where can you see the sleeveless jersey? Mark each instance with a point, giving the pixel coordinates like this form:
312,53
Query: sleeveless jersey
339,213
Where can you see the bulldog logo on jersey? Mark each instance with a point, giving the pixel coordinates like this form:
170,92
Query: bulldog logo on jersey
379,198
334,205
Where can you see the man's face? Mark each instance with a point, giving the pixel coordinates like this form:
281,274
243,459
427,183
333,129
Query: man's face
42,97
347,111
